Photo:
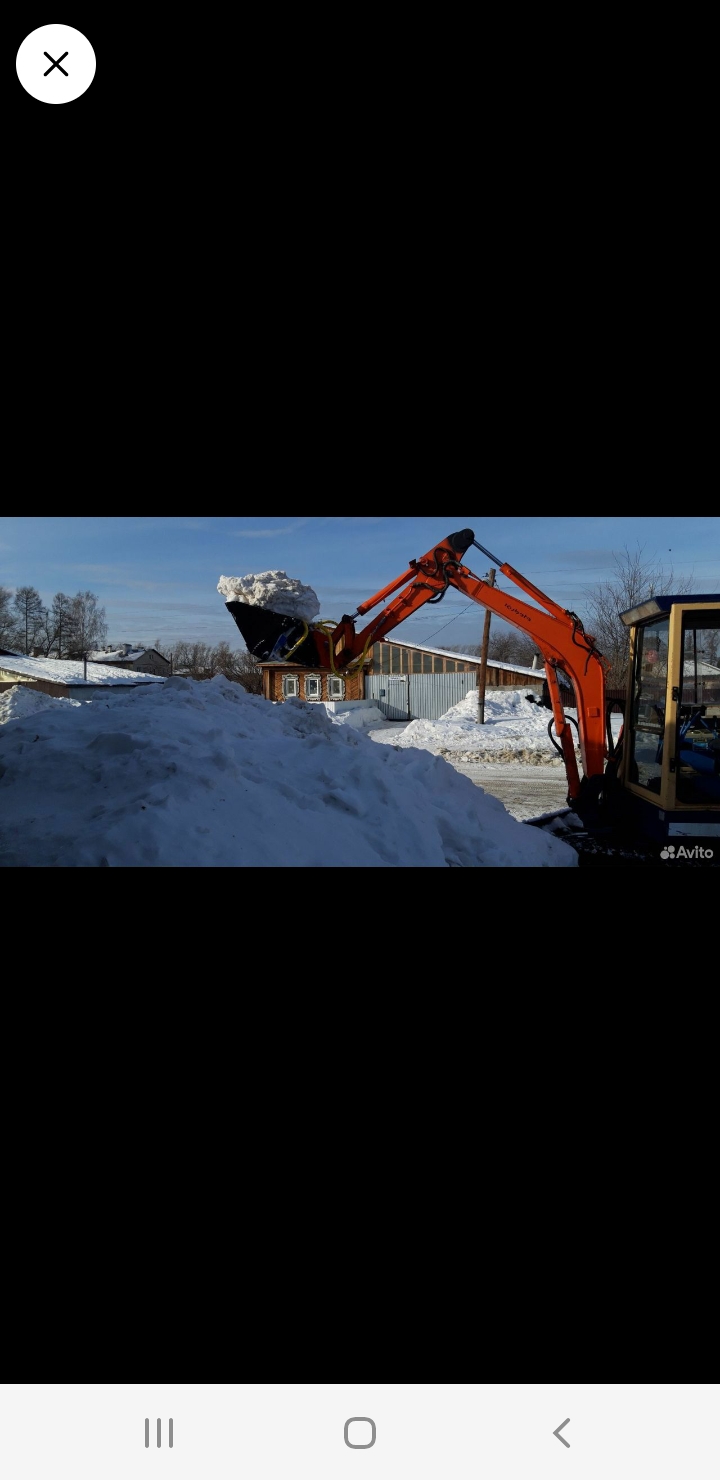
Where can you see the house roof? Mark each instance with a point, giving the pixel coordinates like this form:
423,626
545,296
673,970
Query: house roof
66,671
117,656
120,656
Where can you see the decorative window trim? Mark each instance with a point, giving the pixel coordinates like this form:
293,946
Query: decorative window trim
332,681
313,698
291,686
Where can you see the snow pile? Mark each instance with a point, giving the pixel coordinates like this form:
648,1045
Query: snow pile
22,702
273,589
514,730
364,717
186,774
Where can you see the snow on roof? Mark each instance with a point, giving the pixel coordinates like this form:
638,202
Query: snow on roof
537,673
117,656
254,785
67,671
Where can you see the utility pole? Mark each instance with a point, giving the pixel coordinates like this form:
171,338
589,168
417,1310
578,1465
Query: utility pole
482,676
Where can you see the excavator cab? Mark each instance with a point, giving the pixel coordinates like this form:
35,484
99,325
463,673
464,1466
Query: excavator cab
670,766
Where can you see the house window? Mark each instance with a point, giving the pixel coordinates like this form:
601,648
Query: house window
313,688
405,660
461,667
439,662
336,688
417,663
290,686
449,666
377,655
385,657
427,663
396,660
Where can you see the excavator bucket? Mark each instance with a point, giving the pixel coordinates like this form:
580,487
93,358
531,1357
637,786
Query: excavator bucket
272,637
269,636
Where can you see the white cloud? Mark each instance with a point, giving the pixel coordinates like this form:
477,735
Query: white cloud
268,534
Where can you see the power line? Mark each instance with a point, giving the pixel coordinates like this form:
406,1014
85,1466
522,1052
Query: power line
447,624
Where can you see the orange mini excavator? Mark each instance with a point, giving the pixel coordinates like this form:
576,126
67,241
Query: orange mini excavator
662,778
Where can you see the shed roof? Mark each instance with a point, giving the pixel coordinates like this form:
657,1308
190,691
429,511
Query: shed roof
68,671
537,673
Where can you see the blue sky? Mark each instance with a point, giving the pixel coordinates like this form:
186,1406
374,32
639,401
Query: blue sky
157,576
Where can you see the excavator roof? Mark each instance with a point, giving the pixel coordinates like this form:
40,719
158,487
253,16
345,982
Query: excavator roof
655,606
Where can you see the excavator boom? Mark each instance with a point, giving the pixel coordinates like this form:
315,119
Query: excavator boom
559,635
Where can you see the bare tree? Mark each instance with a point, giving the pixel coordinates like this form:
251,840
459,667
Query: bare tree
8,620
506,646
90,626
29,609
512,647
45,632
637,577
247,672
712,646
63,622
197,660
194,659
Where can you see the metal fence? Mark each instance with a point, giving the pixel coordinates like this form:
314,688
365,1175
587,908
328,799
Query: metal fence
418,695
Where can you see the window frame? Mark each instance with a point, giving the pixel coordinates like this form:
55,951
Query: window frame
313,678
290,678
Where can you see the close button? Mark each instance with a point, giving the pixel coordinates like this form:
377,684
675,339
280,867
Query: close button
72,64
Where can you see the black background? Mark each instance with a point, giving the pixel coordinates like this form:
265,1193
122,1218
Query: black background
93,179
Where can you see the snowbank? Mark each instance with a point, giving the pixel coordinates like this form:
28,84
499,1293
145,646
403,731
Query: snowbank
186,774
21,702
360,717
514,730
274,589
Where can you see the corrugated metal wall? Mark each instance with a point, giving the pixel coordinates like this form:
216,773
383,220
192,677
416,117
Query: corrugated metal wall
418,695
390,693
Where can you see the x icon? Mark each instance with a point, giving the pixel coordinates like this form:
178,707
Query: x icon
55,64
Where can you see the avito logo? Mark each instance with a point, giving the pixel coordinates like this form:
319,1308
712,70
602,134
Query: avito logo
672,852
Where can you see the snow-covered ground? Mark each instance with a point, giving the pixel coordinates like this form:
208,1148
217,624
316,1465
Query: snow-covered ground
526,791
185,774
359,717
273,589
514,730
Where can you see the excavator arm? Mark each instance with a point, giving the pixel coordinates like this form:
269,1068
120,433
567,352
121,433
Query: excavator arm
559,635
